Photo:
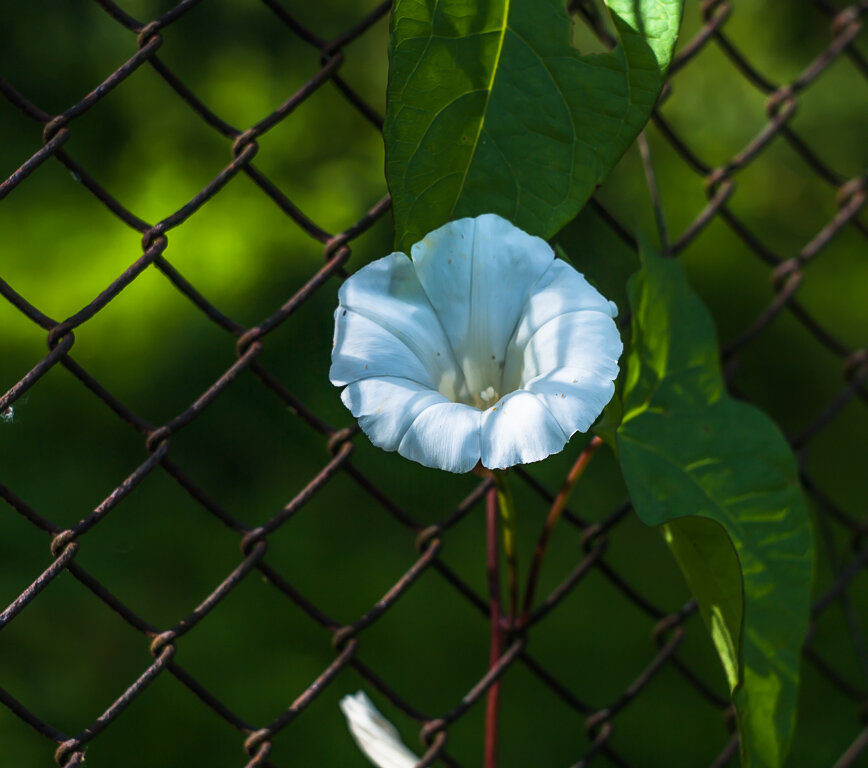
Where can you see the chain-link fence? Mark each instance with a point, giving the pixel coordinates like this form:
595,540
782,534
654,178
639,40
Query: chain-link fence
840,532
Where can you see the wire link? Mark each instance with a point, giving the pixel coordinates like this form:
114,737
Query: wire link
667,627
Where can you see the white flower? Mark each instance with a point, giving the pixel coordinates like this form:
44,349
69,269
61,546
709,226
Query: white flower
483,347
375,735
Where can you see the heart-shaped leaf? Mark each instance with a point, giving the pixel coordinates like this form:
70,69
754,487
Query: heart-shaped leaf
688,449
491,109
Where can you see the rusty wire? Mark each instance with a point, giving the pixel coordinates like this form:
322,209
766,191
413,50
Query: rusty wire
786,272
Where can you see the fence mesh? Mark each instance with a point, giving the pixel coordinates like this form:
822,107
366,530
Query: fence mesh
787,272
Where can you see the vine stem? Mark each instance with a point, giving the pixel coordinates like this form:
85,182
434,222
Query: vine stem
554,515
507,517
496,648
654,192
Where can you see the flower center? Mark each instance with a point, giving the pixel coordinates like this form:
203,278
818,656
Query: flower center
476,377
486,398
458,389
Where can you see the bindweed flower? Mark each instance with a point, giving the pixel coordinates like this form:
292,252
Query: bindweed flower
376,736
484,347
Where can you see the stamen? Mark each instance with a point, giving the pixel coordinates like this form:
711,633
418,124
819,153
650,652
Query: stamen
486,398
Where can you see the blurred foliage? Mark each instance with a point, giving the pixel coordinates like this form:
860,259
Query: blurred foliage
67,656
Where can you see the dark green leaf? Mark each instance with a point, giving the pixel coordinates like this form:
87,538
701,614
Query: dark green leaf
711,568
607,425
687,448
491,110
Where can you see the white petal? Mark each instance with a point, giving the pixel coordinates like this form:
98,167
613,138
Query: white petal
575,397
444,436
363,348
375,736
560,290
587,340
386,407
519,430
477,274
388,293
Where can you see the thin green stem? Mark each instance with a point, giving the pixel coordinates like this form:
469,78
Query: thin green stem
507,516
654,192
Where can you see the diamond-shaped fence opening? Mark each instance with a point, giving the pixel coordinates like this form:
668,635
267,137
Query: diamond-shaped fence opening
182,410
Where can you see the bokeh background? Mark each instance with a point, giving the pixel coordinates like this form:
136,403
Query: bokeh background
67,656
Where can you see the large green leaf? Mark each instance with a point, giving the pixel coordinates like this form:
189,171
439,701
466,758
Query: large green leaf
687,448
711,568
491,110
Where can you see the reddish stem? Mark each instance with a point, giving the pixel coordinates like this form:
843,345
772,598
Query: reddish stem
554,515
493,700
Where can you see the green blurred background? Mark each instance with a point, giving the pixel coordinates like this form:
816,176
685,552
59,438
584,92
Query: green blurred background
67,657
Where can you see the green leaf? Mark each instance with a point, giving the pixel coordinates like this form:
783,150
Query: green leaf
607,426
711,569
687,448
491,110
